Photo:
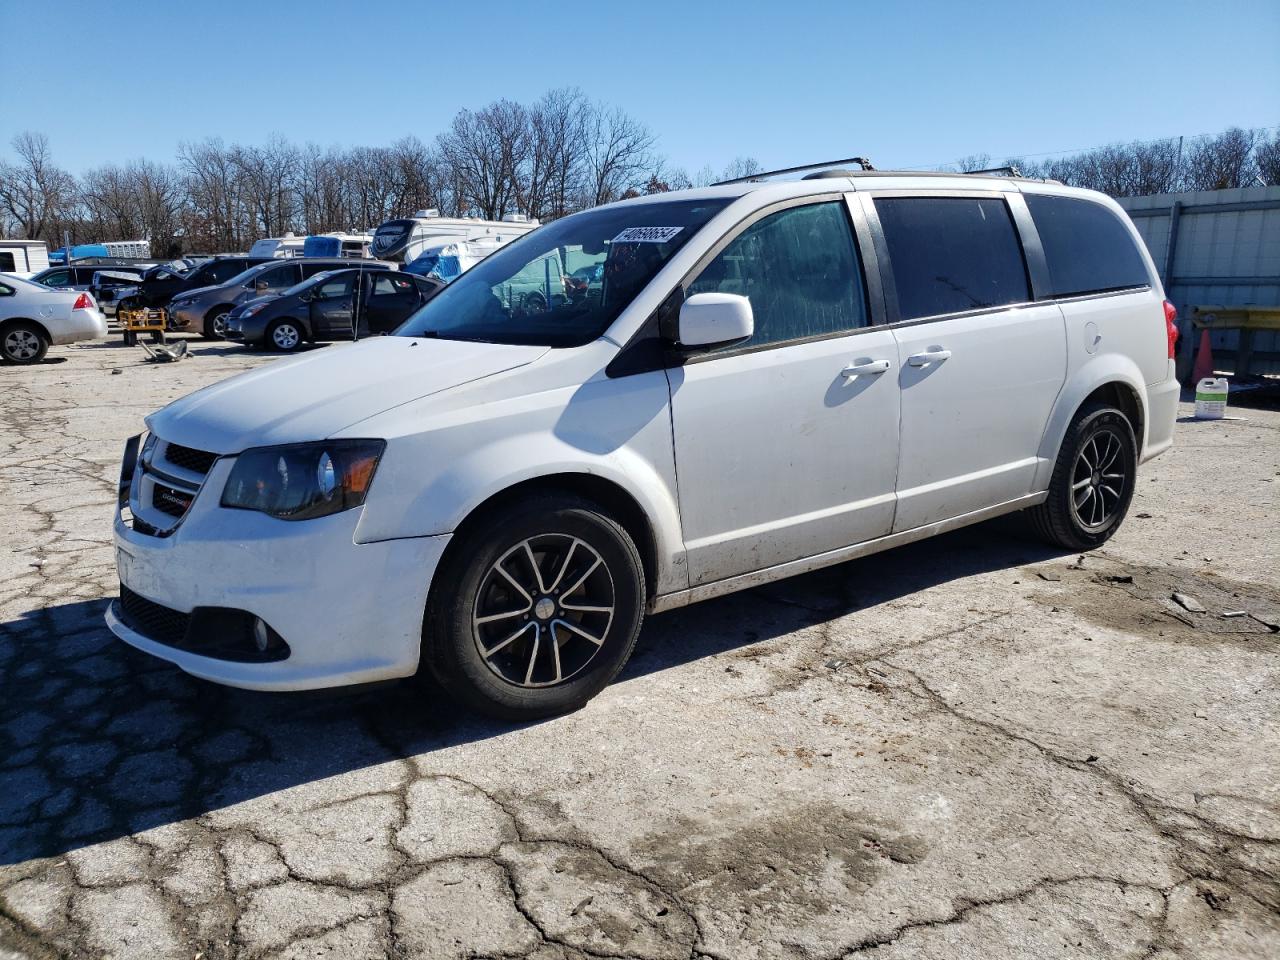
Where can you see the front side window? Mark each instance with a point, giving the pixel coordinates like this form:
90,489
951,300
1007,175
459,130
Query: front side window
520,295
335,288
61,278
952,254
799,268
1087,248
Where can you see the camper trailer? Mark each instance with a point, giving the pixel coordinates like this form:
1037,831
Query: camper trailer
279,247
405,239
23,257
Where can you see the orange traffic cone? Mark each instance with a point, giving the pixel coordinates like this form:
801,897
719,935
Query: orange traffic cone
1204,359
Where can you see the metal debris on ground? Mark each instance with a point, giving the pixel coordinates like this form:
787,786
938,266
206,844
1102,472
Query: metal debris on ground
1049,575
165,353
1235,613
1189,603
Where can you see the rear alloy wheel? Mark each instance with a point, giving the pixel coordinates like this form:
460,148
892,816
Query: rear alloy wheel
284,335
1093,481
215,324
23,343
540,613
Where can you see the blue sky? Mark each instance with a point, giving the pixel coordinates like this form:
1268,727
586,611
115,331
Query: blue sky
908,84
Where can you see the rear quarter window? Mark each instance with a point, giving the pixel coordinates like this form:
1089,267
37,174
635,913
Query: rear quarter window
1087,247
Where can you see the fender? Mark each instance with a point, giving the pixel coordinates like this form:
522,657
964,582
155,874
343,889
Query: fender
1098,372
454,493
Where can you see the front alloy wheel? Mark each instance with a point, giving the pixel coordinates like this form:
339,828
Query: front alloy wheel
543,610
284,335
535,608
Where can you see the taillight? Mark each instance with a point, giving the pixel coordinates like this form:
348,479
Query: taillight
83,302
1171,321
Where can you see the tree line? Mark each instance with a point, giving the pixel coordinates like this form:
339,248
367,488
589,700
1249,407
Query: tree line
1234,158
561,153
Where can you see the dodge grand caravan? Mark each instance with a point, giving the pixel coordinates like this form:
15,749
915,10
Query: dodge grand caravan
829,367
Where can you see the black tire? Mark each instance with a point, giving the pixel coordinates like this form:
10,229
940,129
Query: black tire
215,318
130,338
277,339
1080,513
468,581
157,336
23,342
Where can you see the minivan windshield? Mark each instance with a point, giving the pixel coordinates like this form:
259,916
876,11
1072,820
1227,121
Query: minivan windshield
531,291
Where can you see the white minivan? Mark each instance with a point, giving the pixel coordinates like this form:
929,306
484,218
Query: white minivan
745,382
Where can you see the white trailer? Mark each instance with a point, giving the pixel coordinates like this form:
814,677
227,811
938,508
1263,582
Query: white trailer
406,238
23,257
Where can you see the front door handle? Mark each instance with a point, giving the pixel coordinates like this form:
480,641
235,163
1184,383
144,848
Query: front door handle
932,355
860,367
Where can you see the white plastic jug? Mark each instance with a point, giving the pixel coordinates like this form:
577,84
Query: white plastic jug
1211,398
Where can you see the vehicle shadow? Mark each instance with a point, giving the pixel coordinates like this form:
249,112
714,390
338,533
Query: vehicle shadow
99,741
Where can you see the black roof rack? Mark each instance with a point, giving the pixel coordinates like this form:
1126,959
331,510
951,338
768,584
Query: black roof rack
860,161
1009,171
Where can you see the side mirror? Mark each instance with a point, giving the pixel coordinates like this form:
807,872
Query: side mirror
715,319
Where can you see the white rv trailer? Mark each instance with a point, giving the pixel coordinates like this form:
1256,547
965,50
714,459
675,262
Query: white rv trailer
290,245
23,257
405,239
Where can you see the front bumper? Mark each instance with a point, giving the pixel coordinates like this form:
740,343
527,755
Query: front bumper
183,316
350,612
246,329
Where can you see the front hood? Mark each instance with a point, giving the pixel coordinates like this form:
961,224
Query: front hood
193,294
316,395
243,305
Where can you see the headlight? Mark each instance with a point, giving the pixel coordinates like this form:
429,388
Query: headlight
250,311
303,480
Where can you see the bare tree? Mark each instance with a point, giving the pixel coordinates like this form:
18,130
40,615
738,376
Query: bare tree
1226,160
34,192
1267,157
619,154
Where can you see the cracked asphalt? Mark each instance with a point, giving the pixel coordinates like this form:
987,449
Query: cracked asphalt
969,747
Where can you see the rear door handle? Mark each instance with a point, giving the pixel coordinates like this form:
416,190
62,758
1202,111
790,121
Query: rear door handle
932,355
860,367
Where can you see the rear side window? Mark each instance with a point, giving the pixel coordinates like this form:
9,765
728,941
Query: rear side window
799,269
952,254
1087,248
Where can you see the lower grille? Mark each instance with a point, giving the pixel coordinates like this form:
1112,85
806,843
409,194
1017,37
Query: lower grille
152,620
170,500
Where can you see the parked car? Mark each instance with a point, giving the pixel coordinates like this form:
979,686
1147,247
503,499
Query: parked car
161,284
106,283
206,308
335,305
833,366
33,316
